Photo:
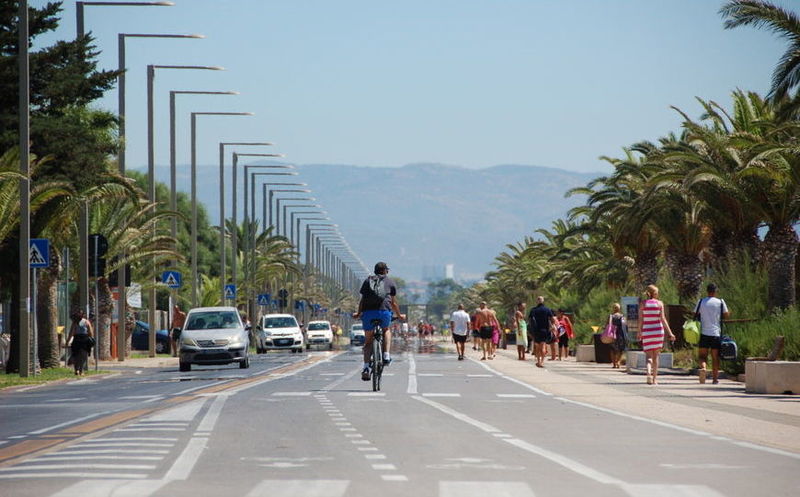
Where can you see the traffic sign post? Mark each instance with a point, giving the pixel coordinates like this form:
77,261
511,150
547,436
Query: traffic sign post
263,299
39,253
230,292
172,279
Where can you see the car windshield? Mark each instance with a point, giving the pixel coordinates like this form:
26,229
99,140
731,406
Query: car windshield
212,320
280,322
318,326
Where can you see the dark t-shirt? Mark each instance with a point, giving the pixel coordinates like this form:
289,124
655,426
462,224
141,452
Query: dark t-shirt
389,288
540,317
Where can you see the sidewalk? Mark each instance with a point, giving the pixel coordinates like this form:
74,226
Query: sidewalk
138,363
724,409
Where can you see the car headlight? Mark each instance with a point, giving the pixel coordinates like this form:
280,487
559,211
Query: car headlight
267,333
235,341
188,341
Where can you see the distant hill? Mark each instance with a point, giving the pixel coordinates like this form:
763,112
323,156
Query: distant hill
423,215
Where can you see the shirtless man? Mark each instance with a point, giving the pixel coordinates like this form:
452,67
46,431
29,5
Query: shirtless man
178,318
484,321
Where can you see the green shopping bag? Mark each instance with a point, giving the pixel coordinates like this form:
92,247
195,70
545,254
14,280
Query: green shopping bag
691,331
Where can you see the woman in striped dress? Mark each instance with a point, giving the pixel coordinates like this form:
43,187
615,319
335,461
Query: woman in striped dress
654,322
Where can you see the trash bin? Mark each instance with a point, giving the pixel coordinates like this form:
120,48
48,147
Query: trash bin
602,351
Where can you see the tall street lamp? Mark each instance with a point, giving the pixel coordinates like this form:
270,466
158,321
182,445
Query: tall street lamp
121,80
280,212
151,174
194,191
223,259
83,217
235,202
266,207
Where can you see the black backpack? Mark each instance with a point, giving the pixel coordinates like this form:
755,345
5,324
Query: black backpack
376,292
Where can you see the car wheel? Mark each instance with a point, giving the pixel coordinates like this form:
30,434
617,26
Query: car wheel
185,366
330,346
245,364
161,348
308,346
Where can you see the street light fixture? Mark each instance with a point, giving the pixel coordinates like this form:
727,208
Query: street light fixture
280,227
266,207
194,191
83,217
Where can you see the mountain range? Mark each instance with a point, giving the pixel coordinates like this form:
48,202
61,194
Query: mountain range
421,217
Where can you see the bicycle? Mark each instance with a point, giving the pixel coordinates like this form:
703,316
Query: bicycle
376,363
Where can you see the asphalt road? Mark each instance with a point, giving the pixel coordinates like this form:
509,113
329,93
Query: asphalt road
306,425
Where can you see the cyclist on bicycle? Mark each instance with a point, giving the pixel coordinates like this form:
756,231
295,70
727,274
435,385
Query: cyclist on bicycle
378,300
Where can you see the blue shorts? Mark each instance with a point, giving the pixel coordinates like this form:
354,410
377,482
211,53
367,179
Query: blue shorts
368,316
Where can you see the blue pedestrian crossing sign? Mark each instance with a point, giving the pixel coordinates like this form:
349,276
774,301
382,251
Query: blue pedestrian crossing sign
263,298
230,292
171,278
39,252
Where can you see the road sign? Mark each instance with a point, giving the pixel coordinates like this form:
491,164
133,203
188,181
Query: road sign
263,298
172,279
39,252
230,292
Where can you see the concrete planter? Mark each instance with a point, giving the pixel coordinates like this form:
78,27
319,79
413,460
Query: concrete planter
584,353
635,359
774,377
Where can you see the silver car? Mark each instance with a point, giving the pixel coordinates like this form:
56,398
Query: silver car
213,335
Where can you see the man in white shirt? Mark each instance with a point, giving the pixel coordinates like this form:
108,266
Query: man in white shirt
459,327
711,310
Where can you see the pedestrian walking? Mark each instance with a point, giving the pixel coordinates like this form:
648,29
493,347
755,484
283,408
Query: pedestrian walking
521,327
476,334
541,319
459,327
81,340
654,324
484,320
710,310
178,319
565,333
617,322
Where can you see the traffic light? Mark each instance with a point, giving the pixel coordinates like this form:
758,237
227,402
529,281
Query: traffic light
113,278
98,246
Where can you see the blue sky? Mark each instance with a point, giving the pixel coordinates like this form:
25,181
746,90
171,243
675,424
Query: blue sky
465,82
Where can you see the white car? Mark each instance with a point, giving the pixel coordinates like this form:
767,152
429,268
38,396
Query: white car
279,332
213,335
319,333
357,336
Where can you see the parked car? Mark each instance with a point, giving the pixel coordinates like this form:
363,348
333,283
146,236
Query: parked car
279,332
213,335
319,333
357,336
140,339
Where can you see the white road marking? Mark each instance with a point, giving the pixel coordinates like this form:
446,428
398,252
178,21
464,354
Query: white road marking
130,439
67,423
375,456
186,412
646,490
138,397
384,467
88,452
74,399
78,464
412,375
59,457
115,488
480,376
430,374
347,429
306,488
441,395
513,380
366,449
366,394
183,465
331,374
559,459
353,435
516,396
120,430
291,394
361,442
73,474
212,415
394,478
483,488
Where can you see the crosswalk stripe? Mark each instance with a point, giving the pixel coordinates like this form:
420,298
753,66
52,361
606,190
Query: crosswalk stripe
117,488
648,490
441,395
483,488
306,488
516,396
292,394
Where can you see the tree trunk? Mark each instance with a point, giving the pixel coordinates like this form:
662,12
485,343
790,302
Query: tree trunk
688,275
645,270
47,311
105,309
780,249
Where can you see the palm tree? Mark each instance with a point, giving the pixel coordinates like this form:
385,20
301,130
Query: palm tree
786,24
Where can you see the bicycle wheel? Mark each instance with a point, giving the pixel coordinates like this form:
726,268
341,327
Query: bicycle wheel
377,362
